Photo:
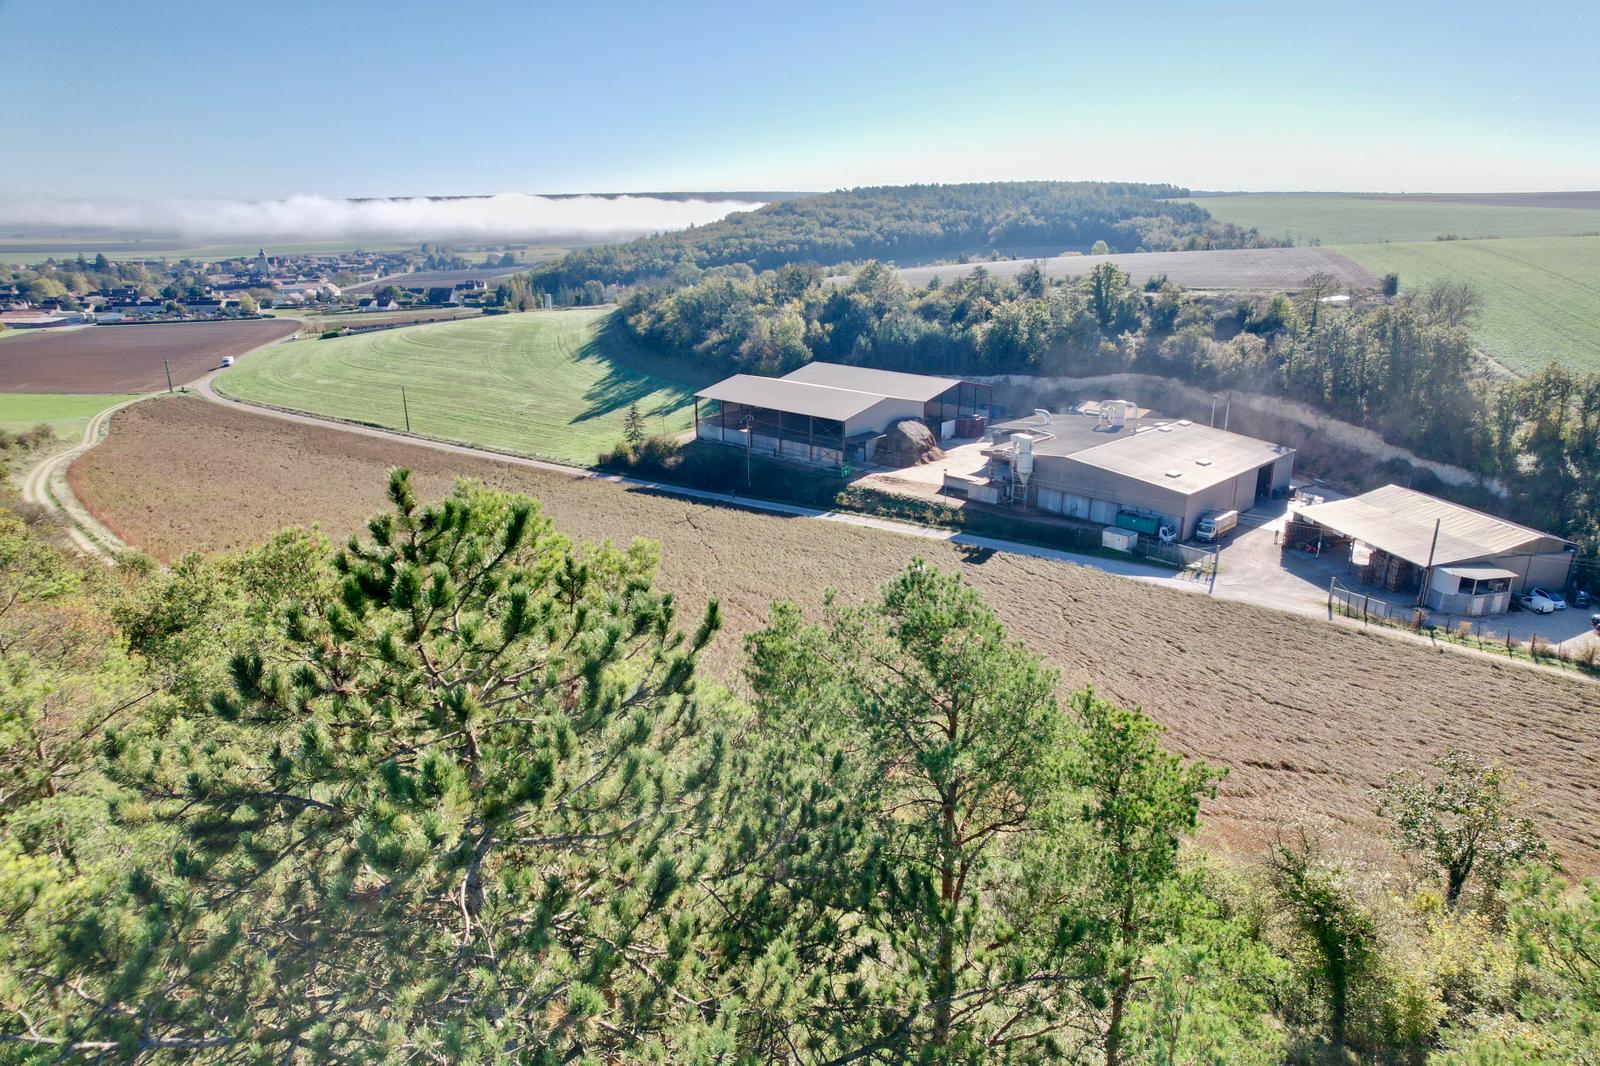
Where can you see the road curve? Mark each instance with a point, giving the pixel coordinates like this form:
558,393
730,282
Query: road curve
46,486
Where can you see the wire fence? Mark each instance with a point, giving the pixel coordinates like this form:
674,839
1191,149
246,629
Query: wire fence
1495,633
1202,561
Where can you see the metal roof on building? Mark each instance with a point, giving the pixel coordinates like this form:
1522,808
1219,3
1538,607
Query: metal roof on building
1400,521
1182,456
1477,571
795,397
918,387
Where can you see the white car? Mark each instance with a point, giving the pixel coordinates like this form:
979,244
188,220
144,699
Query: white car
1537,603
1561,604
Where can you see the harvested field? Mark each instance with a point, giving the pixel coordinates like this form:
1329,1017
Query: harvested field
104,359
1238,268
1305,715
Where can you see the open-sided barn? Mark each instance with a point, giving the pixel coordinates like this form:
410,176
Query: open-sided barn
829,413
1470,562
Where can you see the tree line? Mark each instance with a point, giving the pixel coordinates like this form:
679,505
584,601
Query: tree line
911,222
462,791
1403,365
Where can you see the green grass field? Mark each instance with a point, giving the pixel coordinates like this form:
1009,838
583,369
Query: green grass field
67,415
550,384
1541,296
1319,218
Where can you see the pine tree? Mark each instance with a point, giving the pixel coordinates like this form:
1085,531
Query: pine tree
633,430
456,814
949,739
1137,803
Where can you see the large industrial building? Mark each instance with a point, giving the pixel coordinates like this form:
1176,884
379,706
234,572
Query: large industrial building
830,413
1106,463
1471,563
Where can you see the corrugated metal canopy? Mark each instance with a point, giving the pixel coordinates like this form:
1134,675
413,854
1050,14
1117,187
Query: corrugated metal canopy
1182,458
1400,521
795,397
1477,571
917,387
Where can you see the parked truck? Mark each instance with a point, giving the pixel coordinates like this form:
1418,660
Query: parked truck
1214,526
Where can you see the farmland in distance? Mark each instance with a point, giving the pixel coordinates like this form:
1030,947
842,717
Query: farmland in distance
555,385
105,359
1541,296
1319,218
66,414
1304,715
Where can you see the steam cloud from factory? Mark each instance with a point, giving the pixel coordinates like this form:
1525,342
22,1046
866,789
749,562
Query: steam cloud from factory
508,216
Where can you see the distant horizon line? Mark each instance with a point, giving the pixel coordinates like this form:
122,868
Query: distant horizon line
773,195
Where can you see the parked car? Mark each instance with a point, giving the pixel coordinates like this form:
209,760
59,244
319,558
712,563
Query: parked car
1555,598
1581,598
227,361
1594,620
1537,603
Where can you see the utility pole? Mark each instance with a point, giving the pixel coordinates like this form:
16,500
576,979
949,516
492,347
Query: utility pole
167,365
1427,575
748,423
404,406
1226,411
1213,422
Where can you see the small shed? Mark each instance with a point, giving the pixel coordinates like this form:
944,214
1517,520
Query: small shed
1122,540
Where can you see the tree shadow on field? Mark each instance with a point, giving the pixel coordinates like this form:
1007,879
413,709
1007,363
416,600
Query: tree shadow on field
632,375
974,554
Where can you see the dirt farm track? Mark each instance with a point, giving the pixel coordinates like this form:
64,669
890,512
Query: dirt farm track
110,359
1305,716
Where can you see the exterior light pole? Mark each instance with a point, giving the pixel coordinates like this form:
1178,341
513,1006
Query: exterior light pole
748,424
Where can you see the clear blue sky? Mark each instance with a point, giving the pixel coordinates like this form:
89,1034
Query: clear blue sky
352,99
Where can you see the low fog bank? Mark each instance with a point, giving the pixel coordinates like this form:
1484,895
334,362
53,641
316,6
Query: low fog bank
505,216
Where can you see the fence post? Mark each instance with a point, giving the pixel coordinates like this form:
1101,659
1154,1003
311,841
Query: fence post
1331,582
1366,601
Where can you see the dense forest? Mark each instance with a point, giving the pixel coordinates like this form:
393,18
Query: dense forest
911,223
1404,366
461,792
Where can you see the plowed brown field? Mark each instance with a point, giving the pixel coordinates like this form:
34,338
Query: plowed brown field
1305,715
128,358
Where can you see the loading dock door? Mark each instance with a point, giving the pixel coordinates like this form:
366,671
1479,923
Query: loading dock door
1075,506
1264,482
1103,511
